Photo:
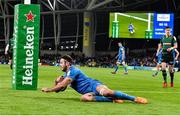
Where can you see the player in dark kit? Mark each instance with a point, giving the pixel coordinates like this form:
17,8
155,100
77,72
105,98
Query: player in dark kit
168,44
9,50
91,90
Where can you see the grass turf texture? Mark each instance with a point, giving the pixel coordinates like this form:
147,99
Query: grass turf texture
140,26
138,83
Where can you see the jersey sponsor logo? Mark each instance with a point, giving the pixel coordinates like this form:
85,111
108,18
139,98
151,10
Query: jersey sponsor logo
166,43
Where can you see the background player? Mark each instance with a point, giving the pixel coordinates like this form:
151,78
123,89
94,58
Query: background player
158,60
91,90
121,59
9,51
131,28
175,55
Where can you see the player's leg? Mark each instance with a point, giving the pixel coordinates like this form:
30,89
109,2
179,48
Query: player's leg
10,60
116,67
163,66
125,67
171,73
157,70
164,74
89,97
105,91
95,96
154,73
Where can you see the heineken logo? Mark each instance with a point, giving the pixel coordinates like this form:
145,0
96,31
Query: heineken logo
30,16
29,50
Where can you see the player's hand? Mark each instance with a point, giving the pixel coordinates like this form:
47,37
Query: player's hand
169,49
154,60
45,90
5,53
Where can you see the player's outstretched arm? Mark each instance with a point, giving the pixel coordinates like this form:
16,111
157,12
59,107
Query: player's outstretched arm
59,86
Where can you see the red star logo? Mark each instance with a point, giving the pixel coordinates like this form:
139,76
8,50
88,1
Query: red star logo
30,17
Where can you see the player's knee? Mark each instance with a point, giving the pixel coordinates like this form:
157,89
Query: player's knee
87,98
107,93
171,70
164,73
163,68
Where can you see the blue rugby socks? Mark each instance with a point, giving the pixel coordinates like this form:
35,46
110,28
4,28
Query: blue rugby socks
125,68
116,68
103,99
123,96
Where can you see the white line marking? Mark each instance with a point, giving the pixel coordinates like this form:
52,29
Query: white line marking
126,15
153,91
141,91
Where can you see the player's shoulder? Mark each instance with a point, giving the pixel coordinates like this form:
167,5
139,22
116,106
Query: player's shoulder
74,69
174,38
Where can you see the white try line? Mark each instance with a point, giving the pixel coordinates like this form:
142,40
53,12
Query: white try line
177,92
130,16
153,91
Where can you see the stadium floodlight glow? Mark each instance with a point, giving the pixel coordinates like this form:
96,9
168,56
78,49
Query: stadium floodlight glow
27,1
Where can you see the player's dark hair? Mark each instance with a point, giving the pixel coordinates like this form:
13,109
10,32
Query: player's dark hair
67,58
167,27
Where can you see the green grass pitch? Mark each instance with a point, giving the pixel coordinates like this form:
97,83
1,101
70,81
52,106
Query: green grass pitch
140,26
139,83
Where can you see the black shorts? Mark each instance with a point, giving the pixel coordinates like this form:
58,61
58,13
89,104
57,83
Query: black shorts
168,58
